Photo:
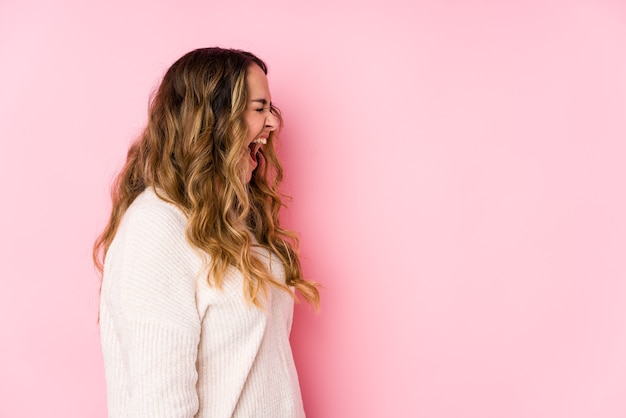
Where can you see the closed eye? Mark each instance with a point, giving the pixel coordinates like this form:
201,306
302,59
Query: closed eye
265,105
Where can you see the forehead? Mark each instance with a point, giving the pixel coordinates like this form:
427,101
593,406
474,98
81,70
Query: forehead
257,84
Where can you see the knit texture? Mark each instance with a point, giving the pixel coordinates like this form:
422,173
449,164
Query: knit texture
176,347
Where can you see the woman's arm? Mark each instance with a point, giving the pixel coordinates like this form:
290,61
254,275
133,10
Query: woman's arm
149,291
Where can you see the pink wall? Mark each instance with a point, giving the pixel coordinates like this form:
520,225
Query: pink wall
458,177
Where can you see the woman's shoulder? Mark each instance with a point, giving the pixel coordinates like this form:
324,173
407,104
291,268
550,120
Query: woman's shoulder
152,230
153,224
149,210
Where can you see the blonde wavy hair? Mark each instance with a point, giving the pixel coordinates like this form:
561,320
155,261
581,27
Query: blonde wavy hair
191,154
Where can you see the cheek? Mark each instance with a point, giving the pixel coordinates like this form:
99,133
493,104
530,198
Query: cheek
249,120
254,124
246,120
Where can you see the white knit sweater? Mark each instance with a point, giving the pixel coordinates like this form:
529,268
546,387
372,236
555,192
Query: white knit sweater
174,346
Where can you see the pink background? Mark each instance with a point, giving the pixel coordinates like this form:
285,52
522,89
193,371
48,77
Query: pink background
457,169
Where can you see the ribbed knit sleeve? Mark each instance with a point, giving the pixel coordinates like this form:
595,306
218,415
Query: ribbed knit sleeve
148,296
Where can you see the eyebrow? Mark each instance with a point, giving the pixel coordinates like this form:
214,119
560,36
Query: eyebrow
262,101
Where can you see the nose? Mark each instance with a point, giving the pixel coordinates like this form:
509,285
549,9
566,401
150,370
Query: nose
271,121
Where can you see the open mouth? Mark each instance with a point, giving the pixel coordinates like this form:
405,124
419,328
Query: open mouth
255,147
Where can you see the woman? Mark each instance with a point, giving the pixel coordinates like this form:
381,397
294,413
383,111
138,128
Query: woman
198,276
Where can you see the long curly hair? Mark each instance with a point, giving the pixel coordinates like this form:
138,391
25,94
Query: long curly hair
191,154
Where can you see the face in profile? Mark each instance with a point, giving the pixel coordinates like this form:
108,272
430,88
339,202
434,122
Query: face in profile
258,116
